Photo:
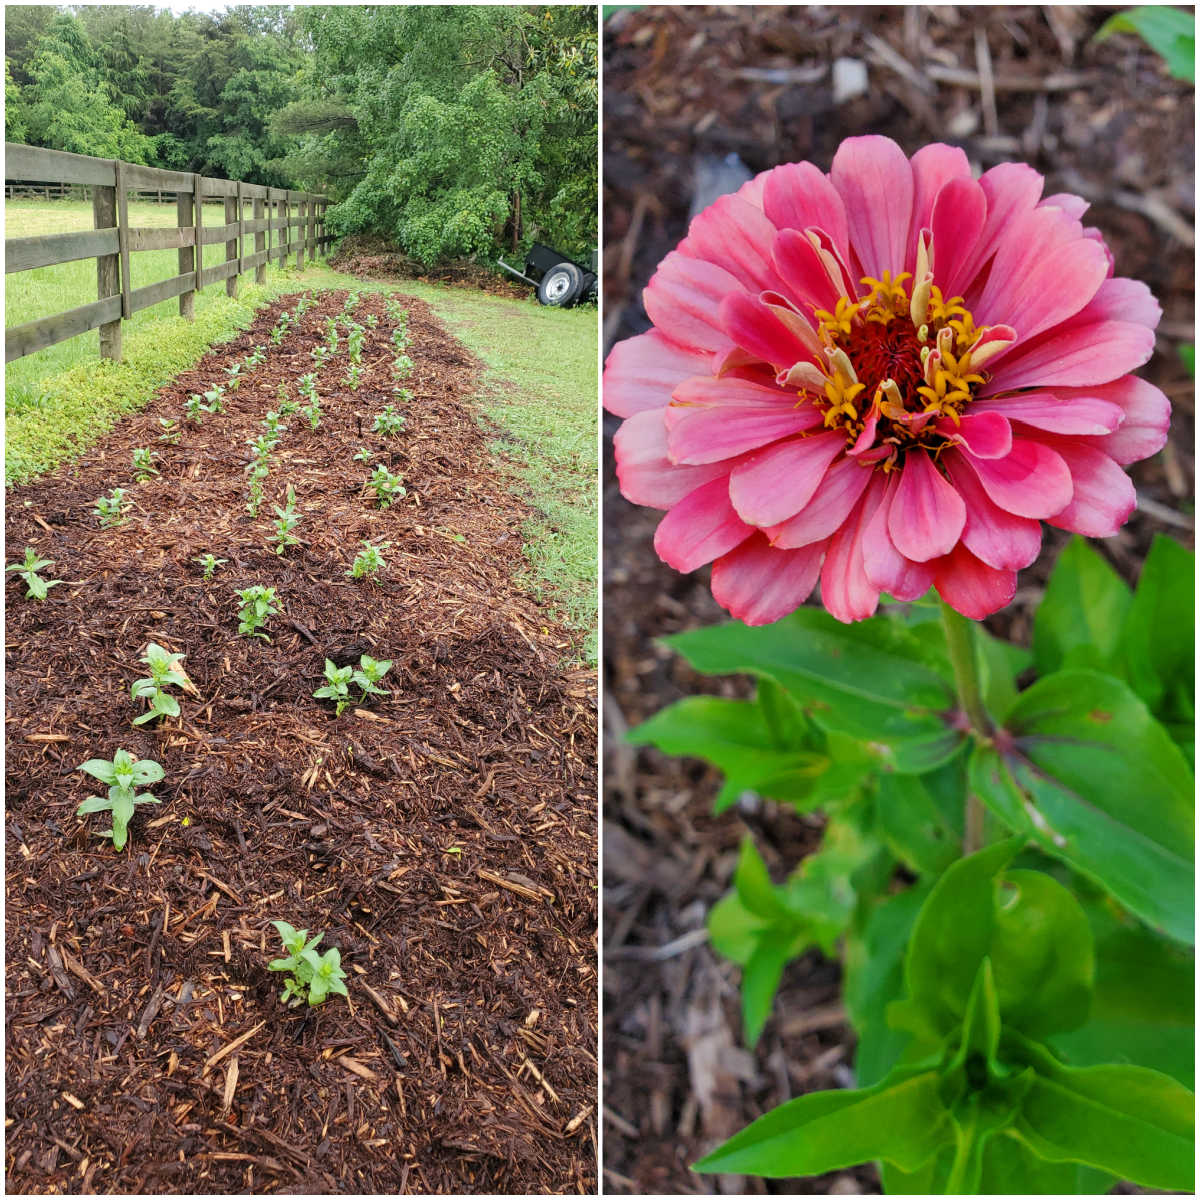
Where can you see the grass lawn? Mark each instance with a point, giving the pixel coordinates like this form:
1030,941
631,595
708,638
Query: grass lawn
539,387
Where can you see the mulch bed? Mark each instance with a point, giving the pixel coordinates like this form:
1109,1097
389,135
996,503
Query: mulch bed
371,257
683,88
443,837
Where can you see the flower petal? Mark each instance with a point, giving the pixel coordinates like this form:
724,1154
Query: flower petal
643,371
1147,411
776,483
1032,481
845,589
701,527
1010,189
799,196
957,220
736,236
927,514
984,434
998,538
646,475
1103,494
758,584
1056,413
885,566
751,324
972,587
827,511
800,267
875,181
683,300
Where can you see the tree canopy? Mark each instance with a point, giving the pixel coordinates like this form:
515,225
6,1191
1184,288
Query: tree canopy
454,130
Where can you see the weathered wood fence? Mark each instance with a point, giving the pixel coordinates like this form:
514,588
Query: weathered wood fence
277,214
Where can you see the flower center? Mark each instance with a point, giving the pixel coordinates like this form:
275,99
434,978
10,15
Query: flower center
899,367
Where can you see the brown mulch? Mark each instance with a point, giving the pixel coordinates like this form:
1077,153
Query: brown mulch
442,837
368,256
686,85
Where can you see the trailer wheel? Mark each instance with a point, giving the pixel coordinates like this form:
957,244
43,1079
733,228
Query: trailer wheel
560,285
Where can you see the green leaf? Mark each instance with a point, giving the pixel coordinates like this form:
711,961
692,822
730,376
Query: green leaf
1080,618
734,736
1097,782
147,771
1169,32
100,768
952,936
760,979
872,680
1158,642
94,804
733,929
754,886
901,1120
921,816
874,974
1143,1008
1134,1123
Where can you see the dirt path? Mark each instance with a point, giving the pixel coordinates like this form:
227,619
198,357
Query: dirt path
443,838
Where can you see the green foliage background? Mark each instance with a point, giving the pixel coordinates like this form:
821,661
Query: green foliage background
455,131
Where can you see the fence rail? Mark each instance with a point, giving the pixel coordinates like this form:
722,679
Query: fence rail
275,214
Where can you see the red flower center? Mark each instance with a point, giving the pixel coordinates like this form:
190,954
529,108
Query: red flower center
890,351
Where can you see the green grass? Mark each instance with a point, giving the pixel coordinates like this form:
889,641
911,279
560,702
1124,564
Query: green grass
539,385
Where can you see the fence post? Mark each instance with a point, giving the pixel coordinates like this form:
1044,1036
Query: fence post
300,240
108,266
260,244
184,219
198,195
311,229
123,240
231,246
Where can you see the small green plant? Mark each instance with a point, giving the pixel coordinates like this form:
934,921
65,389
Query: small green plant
258,607
402,367
163,672
339,679
281,329
287,407
286,519
389,422
215,396
388,488
400,339
263,445
257,356
352,302
331,335
308,386
312,413
272,423
363,455
111,509
170,431
28,571
194,408
354,343
234,371
402,394
320,356
314,976
210,563
337,686
353,376
368,562
143,464
124,776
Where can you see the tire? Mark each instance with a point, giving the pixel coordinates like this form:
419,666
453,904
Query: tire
560,285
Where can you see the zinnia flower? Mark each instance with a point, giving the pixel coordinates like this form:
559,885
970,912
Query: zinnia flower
885,378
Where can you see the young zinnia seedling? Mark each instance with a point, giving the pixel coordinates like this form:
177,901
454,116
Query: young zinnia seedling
320,356
163,672
339,679
372,320
143,464
258,607
314,976
363,455
402,366
28,571
402,394
194,408
368,562
215,395
124,776
210,563
170,431
388,488
353,376
259,355
307,385
312,413
286,519
234,371
370,672
337,686
388,422
111,509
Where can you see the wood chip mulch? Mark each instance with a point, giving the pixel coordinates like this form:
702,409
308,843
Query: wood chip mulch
442,837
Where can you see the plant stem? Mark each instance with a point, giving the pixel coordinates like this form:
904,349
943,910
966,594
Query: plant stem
960,641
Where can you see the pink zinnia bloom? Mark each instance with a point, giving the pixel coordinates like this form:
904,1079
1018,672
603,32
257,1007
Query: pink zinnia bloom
884,378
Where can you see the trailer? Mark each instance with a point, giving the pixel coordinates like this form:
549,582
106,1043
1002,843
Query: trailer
559,280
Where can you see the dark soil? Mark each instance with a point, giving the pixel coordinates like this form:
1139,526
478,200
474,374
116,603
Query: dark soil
682,84
442,837
371,257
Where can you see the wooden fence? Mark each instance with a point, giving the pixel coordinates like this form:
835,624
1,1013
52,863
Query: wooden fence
276,213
